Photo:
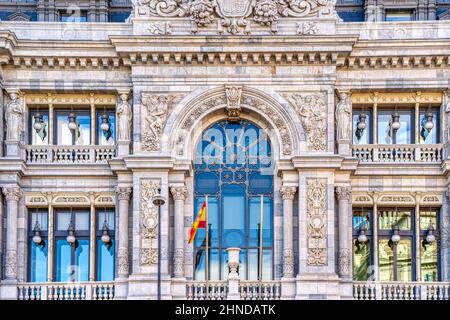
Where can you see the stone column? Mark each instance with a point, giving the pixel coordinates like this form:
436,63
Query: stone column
123,199
287,281
178,285
179,195
345,231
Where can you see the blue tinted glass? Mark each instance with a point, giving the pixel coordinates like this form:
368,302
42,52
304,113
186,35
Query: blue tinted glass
105,261
38,272
63,261
213,222
261,183
255,220
429,136
83,132
82,261
106,137
233,206
200,262
207,182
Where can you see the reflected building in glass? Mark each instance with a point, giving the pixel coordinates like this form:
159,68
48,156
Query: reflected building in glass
320,149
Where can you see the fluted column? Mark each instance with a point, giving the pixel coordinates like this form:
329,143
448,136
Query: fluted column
179,195
123,196
345,230
12,195
288,194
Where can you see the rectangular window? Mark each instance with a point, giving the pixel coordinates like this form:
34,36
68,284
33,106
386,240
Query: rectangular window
105,251
73,15
389,218
82,133
386,260
106,128
37,228
395,15
362,126
362,267
429,126
38,127
403,135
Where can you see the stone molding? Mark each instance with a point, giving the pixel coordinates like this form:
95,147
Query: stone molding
69,99
123,193
343,193
399,98
148,222
390,198
12,193
288,193
316,211
179,193
73,199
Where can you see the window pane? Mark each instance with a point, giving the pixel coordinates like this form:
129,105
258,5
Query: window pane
107,217
362,268
403,134
267,263
39,216
253,264
63,134
106,137
105,261
64,270
200,262
82,261
213,225
432,136
233,205
254,222
82,220
404,268
399,16
63,221
81,136
386,260
428,262
427,218
38,263
361,219
83,132
39,137
362,137
389,218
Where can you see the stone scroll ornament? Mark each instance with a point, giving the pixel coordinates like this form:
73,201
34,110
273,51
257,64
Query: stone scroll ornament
234,15
316,208
148,223
312,112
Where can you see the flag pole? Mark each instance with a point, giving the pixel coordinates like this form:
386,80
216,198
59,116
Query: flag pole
207,249
261,211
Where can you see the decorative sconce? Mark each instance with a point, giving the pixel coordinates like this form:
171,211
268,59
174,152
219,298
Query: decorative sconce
72,121
37,239
361,125
105,122
429,125
71,239
362,238
106,239
37,125
395,124
395,238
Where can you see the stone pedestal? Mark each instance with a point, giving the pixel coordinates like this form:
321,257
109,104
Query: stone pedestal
178,288
123,148
287,288
121,289
8,290
145,287
13,149
233,275
318,287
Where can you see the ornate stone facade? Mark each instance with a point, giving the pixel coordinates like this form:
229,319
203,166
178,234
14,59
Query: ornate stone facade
149,223
316,206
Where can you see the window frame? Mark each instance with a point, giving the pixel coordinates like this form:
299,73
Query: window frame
98,235
44,235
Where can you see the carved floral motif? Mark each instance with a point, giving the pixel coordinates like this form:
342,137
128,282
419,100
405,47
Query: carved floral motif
312,111
288,263
344,262
316,208
149,222
122,262
11,264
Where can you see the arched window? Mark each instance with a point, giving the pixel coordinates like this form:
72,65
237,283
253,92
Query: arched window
233,168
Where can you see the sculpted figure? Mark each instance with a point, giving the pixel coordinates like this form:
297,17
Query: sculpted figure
14,113
124,115
343,116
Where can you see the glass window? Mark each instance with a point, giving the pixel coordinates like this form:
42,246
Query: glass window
362,136
386,260
73,15
429,261
404,254
361,219
401,136
233,167
40,136
105,251
429,126
80,136
38,226
106,137
389,218
394,16
427,218
362,266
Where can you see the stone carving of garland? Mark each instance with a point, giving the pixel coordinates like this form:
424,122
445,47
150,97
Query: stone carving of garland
316,208
264,12
148,223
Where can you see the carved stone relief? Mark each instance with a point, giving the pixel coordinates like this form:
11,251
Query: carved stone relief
13,116
155,112
148,223
234,16
316,208
312,112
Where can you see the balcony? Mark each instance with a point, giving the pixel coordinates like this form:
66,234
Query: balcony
69,154
426,153
66,291
401,290
248,290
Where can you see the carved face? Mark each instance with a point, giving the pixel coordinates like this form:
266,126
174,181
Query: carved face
13,96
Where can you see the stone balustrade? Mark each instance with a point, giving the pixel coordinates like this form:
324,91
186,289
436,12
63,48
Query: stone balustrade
69,154
425,153
401,290
254,290
66,291
200,290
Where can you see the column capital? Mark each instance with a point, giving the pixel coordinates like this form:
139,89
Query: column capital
179,193
288,193
12,193
343,193
123,193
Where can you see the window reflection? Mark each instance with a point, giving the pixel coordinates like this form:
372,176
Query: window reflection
386,135
429,136
362,136
362,266
429,262
106,137
80,136
39,137
399,217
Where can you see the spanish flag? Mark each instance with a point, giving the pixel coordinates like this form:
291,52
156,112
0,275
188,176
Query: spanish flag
200,222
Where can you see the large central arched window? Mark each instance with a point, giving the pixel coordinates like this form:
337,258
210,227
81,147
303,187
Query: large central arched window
233,168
